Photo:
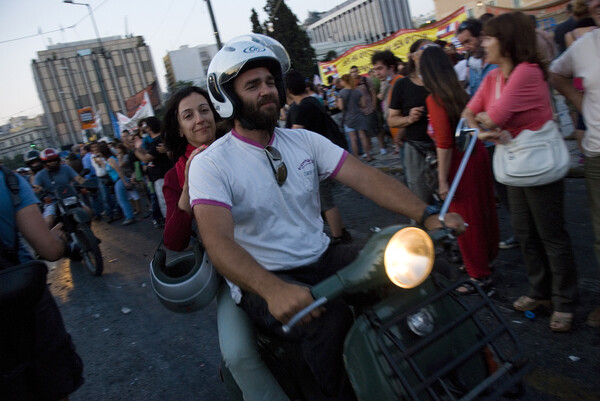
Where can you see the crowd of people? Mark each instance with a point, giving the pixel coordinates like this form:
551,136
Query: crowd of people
258,194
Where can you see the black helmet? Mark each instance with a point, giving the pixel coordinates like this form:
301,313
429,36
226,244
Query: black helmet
31,155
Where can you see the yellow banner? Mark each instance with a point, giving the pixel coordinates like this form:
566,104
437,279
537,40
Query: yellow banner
398,43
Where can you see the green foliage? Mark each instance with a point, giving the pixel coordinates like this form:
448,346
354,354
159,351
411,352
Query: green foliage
424,24
256,27
331,55
14,163
283,25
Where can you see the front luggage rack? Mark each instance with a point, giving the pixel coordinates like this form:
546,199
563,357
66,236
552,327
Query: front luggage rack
474,334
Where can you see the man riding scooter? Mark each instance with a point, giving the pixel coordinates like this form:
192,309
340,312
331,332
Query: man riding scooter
33,161
54,174
254,194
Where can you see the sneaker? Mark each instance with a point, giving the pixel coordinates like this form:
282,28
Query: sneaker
127,222
382,151
157,224
508,243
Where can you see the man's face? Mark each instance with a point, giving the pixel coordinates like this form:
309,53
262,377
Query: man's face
470,42
260,100
381,70
52,165
594,10
354,72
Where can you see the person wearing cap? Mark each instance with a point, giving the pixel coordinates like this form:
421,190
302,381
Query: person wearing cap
254,194
54,173
33,161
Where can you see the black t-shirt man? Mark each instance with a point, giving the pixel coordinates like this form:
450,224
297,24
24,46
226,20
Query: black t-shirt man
311,115
405,96
161,163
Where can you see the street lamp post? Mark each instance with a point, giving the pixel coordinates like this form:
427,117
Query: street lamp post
98,71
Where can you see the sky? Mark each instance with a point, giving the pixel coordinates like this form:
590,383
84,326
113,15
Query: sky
28,26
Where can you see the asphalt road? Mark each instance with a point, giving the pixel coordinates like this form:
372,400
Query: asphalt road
135,349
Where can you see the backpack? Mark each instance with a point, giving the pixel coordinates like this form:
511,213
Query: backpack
9,256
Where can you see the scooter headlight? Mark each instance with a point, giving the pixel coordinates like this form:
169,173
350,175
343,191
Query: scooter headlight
409,257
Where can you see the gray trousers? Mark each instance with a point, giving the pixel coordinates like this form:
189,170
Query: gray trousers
537,215
414,168
592,181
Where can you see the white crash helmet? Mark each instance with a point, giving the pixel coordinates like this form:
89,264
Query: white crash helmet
240,54
186,284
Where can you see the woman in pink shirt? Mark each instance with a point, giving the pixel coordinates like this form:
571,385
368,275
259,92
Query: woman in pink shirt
510,99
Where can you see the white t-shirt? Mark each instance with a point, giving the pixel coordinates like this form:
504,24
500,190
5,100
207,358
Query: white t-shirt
582,60
461,70
280,226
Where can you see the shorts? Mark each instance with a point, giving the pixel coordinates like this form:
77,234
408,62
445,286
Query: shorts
348,130
49,210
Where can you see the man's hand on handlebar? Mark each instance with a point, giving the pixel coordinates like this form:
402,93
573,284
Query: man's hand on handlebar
453,221
288,299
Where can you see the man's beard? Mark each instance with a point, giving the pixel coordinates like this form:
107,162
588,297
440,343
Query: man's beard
252,117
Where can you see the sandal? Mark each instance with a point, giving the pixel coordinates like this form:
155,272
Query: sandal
483,283
560,322
524,303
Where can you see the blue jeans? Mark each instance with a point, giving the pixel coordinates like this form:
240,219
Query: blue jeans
105,198
121,193
240,353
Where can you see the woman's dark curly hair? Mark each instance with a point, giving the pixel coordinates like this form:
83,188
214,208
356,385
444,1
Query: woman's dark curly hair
176,144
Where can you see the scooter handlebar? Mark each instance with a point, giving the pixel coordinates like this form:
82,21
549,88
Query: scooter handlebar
302,314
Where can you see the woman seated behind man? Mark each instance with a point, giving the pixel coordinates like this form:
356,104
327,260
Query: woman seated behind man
189,127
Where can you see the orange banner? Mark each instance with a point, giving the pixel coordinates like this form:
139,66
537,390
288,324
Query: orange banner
86,117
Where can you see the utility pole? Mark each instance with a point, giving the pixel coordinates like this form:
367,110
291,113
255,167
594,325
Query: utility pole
214,24
97,67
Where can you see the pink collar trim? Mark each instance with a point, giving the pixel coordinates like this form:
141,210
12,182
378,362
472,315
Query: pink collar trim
250,141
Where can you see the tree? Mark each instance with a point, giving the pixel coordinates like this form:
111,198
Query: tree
331,55
256,27
283,26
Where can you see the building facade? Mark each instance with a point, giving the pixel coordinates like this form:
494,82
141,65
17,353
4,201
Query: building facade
189,64
358,22
21,139
101,74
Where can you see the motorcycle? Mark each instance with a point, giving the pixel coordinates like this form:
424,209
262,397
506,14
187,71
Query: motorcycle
83,244
420,340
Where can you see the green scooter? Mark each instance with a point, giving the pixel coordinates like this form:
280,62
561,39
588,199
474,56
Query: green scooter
421,341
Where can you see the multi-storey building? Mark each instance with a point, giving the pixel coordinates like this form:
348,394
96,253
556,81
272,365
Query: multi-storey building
189,64
358,22
90,73
24,134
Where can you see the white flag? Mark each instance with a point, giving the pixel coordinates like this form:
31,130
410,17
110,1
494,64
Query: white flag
98,121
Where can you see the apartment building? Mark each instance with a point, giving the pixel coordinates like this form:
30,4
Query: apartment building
189,64
101,74
358,22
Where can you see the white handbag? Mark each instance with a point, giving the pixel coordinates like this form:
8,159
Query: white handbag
532,158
